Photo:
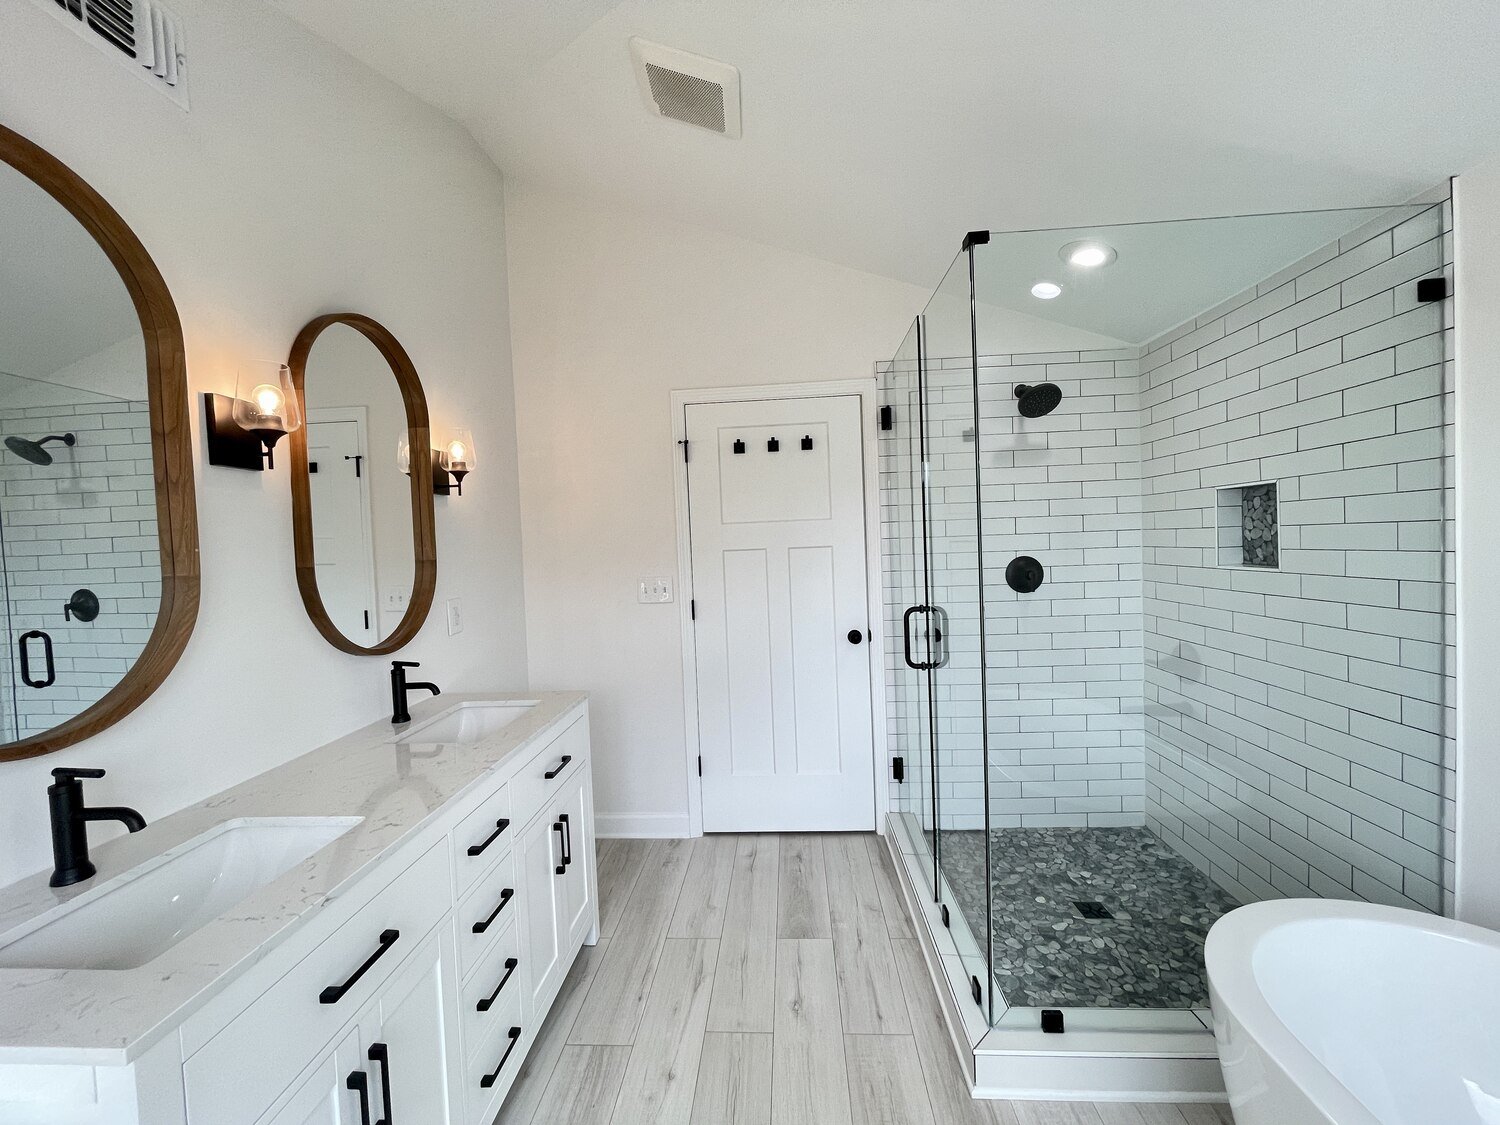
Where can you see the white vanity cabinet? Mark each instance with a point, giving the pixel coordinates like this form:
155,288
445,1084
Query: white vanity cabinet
410,995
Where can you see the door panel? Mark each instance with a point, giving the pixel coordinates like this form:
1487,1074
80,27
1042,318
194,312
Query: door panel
325,1097
576,900
418,1030
540,888
341,525
777,529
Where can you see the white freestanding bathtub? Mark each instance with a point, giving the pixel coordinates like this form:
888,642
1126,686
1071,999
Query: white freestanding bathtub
1355,1014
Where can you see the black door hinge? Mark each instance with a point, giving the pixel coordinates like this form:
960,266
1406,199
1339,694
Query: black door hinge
700,765
898,769
692,609
684,444
887,417
976,991
1052,1021
946,924
367,619
1432,289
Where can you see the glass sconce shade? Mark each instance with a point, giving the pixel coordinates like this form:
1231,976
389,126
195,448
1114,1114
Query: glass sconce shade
265,402
403,452
459,452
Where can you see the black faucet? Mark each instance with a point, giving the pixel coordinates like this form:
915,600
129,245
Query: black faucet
70,817
399,688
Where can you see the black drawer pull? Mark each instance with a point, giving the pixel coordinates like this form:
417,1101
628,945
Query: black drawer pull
562,852
500,826
567,840
557,769
361,1085
494,1076
480,927
489,1001
335,992
381,1053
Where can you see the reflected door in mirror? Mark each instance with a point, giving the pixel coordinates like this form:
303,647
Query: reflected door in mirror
363,545
77,492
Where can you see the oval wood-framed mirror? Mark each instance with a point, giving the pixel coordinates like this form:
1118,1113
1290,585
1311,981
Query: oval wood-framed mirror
101,403
361,396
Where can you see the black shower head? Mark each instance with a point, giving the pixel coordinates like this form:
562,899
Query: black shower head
29,450
1033,402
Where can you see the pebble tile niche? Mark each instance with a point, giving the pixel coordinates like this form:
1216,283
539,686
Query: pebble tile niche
1248,531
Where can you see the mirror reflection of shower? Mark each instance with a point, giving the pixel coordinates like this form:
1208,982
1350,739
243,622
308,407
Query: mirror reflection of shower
29,449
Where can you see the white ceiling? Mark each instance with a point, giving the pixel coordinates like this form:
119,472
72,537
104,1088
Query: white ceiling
876,132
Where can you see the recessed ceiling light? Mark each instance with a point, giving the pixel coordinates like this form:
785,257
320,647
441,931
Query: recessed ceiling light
1046,290
1087,254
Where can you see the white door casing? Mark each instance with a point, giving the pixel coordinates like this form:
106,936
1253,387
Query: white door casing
343,533
779,584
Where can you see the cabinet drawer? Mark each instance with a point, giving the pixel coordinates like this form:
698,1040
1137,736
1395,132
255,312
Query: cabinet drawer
531,788
488,910
484,834
491,1062
241,1070
498,976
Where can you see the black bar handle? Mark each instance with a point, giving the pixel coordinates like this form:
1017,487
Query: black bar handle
505,896
567,840
335,992
918,665
359,1083
493,1076
381,1053
500,826
24,643
562,852
489,1001
557,769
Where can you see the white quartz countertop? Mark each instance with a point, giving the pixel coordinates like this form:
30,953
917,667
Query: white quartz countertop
108,1017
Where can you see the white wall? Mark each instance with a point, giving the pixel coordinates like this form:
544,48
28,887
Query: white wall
299,183
610,313
1476,202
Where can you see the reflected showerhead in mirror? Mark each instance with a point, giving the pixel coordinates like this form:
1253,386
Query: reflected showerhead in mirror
31,450
1037,400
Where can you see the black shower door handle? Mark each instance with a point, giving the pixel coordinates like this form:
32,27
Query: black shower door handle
912,611
24,643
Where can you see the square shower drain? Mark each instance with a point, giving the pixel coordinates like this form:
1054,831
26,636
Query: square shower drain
1094,911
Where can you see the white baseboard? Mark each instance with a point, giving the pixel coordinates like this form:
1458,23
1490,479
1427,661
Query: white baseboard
641,826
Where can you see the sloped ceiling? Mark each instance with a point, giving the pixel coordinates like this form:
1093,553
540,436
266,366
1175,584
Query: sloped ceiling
876,132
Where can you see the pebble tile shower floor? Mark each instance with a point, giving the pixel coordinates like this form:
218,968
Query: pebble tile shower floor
1149,954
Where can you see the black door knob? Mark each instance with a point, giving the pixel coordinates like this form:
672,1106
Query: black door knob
1024,574
855,636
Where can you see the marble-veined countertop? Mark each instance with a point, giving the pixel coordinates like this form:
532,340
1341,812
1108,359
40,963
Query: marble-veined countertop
108,1017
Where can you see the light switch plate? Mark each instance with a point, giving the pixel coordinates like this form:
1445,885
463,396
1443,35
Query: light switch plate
396,597
654,591
455,617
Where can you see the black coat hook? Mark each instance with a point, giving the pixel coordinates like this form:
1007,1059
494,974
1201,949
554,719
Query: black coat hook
773,446
807,441
739,446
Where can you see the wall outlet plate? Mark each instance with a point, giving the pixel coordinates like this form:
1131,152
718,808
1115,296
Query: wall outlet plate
455,617
654,591
396,597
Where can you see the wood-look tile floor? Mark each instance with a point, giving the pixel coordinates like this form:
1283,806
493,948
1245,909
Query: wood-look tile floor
751,980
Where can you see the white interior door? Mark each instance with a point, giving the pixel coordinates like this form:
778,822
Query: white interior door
777,526
342,533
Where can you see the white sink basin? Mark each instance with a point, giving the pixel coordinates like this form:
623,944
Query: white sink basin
467,723
139,915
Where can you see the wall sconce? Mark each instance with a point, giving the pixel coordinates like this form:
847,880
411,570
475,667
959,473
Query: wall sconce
459,458
243,431
451,463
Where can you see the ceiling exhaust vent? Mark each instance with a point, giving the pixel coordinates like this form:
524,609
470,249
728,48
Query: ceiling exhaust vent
140,33
688,87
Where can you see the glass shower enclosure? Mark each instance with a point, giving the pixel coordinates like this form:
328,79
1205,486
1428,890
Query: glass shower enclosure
1168,594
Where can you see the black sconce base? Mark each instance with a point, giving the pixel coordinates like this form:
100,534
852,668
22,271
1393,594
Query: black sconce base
227,444
442,483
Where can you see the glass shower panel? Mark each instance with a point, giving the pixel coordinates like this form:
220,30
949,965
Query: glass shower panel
904,551
1223,444
953,506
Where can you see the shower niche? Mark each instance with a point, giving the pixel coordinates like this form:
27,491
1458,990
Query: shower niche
1249,527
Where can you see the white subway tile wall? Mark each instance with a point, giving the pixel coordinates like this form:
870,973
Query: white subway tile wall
1285,729
1295,718
86,521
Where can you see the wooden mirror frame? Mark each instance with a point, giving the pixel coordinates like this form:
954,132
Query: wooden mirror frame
419,435
171,446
